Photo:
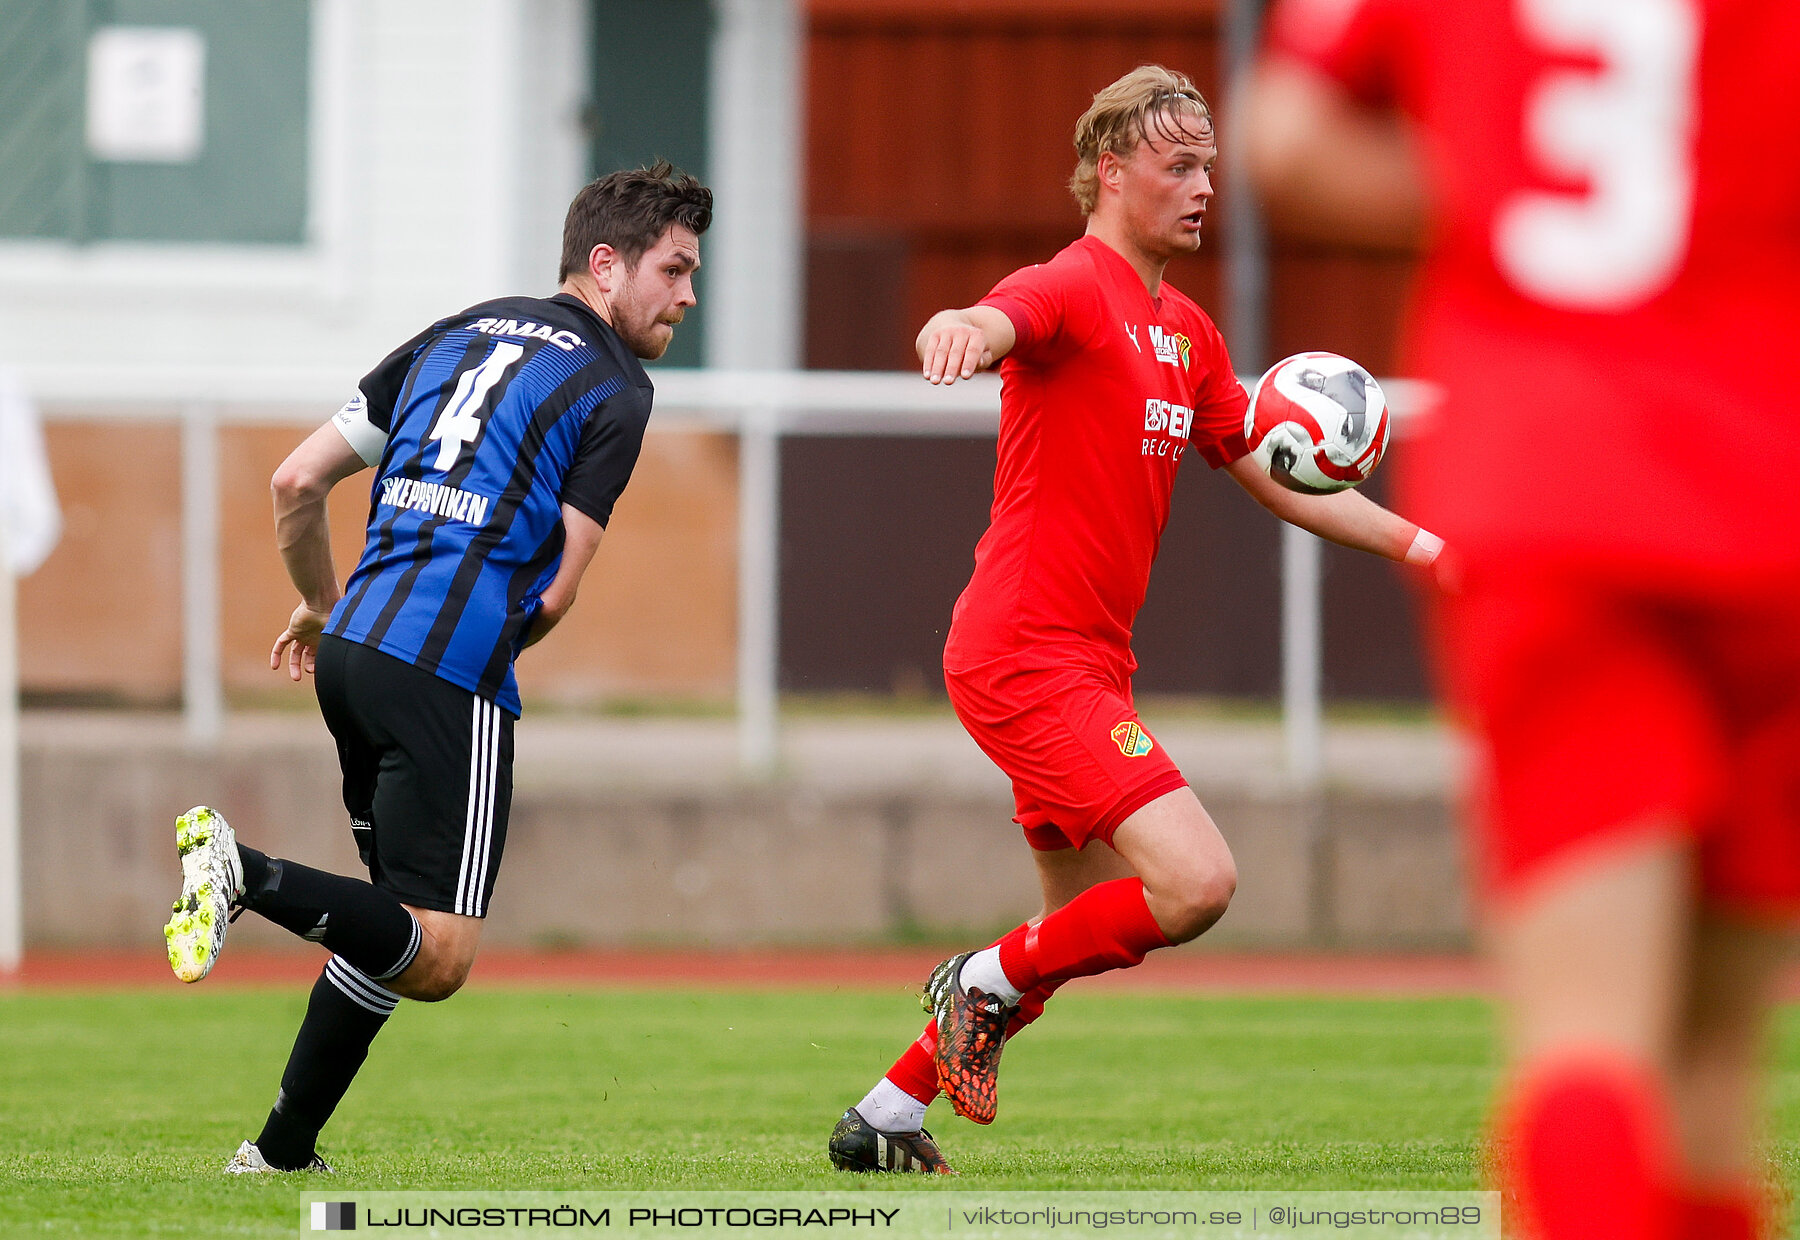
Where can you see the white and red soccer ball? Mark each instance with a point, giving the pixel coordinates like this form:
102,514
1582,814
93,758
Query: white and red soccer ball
1317,423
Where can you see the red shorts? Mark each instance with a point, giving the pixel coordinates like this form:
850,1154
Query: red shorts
1068,737
1607,710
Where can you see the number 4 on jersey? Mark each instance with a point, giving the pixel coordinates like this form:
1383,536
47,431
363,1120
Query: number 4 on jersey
460,423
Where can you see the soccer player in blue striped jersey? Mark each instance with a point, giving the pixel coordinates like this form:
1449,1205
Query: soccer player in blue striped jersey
500,438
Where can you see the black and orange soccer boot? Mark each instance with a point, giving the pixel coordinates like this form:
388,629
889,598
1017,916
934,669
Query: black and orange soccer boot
857,1145
971,1034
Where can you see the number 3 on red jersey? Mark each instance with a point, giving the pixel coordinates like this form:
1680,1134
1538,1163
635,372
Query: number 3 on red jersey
1627,130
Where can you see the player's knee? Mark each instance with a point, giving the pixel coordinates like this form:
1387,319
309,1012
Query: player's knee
437,981
437,988
1198,902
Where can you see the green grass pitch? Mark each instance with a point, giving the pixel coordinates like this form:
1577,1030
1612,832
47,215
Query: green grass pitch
117,1109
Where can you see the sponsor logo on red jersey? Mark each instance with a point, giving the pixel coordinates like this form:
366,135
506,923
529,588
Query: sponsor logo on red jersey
1170,423
1170,347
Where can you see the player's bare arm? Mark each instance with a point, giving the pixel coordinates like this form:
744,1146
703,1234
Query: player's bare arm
955,344
581,538
1347,518
300,487
1329,168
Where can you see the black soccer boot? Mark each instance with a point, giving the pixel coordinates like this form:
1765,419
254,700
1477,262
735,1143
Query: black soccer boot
857,1145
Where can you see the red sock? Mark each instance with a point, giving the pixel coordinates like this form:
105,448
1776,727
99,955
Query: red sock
916,1069
1590,1150
1031,1006
1108,926
1722,1213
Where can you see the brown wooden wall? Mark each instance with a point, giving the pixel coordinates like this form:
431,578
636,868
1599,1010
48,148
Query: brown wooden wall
938,152
938,148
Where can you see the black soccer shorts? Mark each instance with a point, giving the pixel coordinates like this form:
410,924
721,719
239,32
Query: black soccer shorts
427,775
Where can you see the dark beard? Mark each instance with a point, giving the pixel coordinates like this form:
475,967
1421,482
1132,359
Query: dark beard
647,345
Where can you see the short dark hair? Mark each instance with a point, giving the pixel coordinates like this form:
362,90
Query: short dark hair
630,210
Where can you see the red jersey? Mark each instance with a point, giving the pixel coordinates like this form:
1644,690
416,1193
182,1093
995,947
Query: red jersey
1612,301
1103,392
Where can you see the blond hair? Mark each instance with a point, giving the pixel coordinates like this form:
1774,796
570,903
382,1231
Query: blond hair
1144,102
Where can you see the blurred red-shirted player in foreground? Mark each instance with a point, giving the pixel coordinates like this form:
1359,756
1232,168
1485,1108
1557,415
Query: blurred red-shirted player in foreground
1109,376
1611,195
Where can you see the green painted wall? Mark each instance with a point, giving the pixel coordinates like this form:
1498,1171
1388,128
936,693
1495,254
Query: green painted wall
651,75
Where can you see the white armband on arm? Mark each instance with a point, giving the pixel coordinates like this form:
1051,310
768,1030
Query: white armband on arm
1425,548
363,435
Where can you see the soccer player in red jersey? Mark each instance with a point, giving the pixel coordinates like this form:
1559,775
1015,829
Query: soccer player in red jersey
1108,376
1611,192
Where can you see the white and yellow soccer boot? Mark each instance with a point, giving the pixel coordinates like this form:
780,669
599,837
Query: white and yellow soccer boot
212,879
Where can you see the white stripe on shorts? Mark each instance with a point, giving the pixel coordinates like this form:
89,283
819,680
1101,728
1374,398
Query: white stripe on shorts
490,769
478,827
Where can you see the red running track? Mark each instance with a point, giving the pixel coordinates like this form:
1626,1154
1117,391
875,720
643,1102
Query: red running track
770,968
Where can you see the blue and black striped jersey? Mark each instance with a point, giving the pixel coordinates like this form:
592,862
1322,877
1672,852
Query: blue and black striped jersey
480,428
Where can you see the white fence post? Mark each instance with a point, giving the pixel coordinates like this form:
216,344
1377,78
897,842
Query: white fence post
202,694
759,589
1301,660
755,251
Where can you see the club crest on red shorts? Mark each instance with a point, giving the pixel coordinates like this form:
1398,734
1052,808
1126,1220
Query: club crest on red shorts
1132,740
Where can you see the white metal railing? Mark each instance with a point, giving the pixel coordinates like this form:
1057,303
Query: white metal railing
760,407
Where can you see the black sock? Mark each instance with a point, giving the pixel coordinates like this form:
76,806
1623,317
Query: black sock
256,867
343,1016
359,921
